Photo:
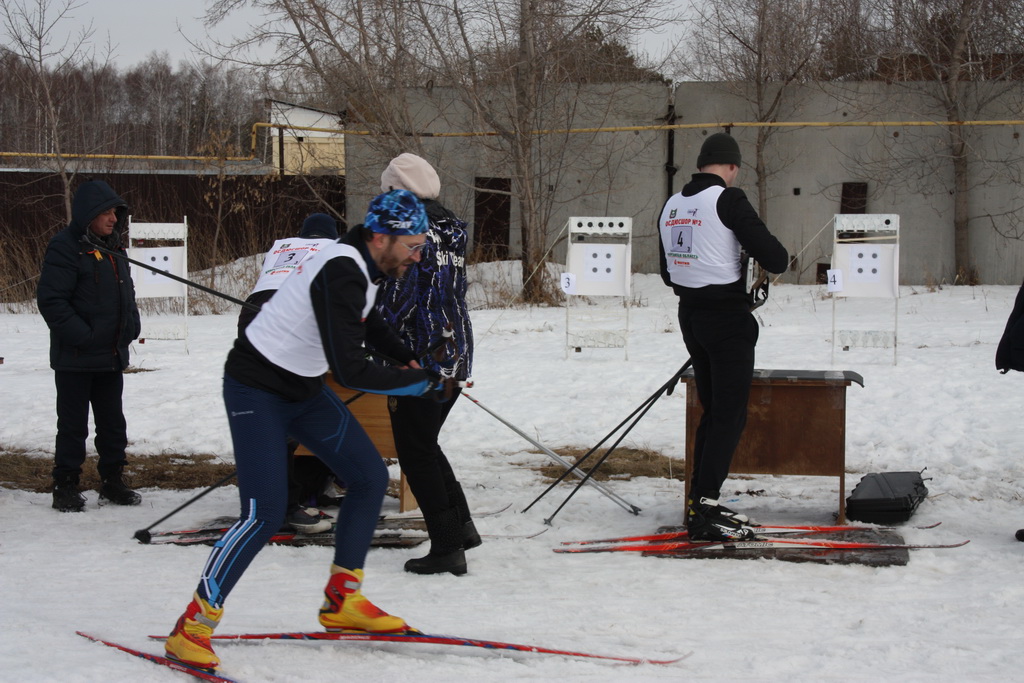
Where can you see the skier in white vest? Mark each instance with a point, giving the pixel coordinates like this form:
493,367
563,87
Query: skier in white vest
319,319
703,231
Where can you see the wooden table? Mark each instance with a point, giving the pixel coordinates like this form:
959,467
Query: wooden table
371,410
796,424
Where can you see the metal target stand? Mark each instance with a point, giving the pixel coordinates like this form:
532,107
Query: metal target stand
598,264
865,264
161,246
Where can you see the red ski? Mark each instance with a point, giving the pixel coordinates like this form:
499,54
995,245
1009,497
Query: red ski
434,639
765,542
761,531
202,674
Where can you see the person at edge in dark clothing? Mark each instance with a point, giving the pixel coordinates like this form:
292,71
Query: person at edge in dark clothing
319,319
87,299
427,303
1010,351
703,230
307,477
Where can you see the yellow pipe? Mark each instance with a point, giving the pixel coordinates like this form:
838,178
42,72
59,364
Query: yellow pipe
656,127
551,131
153,157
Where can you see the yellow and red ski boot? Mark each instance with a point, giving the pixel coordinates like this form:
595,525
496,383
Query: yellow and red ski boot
347,609
189,642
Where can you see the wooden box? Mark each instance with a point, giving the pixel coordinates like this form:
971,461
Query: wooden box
796,424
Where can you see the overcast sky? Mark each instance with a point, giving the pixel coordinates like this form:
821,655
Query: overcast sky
139,27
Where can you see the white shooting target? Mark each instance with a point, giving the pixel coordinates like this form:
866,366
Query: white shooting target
601,263
149,283
600,269
865,264
868,270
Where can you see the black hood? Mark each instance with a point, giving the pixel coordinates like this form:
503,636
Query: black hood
92,198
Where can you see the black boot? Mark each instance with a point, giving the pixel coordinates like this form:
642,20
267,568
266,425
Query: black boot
446,553
116,490
470,537
66,496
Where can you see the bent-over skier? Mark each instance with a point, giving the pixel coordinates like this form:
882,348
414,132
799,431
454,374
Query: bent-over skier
273,388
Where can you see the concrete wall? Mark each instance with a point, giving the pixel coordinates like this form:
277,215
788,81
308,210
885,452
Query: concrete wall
623,173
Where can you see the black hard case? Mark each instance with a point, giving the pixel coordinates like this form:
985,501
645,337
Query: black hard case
886,498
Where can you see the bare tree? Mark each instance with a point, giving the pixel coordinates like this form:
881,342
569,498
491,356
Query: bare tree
37,35
964,56
758,49
507,60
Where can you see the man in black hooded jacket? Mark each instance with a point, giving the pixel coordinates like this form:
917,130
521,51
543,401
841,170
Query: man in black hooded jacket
88,301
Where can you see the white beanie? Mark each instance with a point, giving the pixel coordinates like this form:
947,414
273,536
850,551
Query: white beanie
410,172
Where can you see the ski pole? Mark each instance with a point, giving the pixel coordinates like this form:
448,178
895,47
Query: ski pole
604,457
144,536
665,388
445,337
190,283
559,459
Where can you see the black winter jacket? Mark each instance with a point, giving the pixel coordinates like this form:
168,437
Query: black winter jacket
88,298
1010,352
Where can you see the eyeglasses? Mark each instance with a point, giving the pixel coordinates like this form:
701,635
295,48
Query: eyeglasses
417,249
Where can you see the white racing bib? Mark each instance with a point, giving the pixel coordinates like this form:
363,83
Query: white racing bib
284,257
699,249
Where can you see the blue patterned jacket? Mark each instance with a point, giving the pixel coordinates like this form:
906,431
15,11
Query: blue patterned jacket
432,297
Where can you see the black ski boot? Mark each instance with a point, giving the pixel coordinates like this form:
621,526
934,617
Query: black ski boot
116,490
446,553
66,496
706,520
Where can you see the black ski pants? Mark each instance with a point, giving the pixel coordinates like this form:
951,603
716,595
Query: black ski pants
76,391
721,346
416,423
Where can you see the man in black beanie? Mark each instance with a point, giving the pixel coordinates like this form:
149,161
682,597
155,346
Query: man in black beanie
703,230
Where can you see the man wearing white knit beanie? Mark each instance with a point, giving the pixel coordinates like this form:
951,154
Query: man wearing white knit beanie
410,172
439,278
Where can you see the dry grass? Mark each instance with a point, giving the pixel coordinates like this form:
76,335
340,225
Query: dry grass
32,472
26,471
623,463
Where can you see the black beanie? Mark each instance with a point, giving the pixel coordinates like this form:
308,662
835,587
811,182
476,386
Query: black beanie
719,148
319,225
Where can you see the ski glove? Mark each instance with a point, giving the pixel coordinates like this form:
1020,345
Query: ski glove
441,388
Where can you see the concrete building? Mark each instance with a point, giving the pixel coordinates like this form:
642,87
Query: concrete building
843,147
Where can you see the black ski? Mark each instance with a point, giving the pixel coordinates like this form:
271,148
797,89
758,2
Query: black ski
383,538
386,538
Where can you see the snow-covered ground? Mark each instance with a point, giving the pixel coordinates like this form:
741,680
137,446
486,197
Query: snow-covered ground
947,615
